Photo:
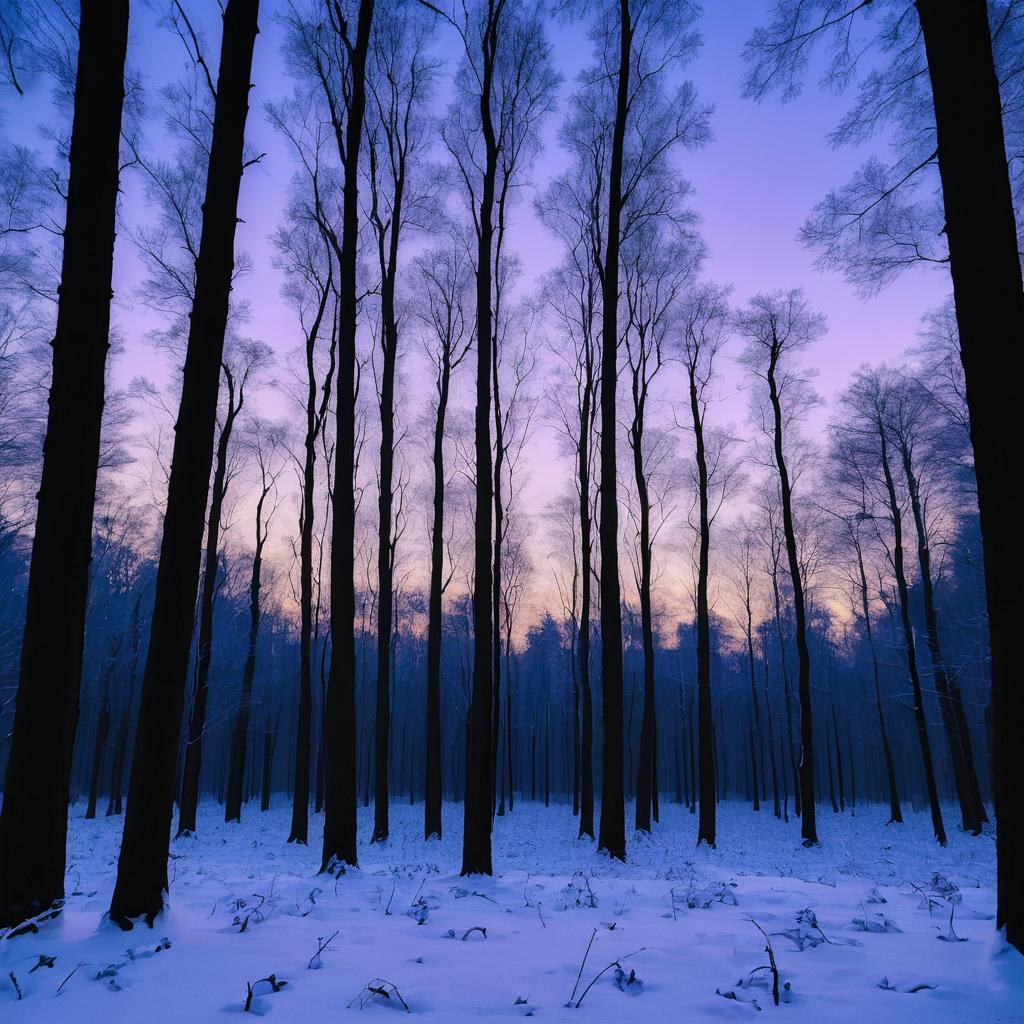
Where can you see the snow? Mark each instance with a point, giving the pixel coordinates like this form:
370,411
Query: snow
245,905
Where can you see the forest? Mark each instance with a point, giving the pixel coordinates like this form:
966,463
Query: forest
510,458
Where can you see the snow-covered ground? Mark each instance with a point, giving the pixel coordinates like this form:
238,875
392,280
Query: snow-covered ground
870,907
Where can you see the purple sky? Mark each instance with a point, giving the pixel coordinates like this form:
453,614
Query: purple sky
754,186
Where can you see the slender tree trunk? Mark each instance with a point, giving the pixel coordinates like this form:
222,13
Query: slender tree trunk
433,796
142,866
121,739
499,536
965,776
989,299
612,833
476,837
806,766
340,787
33,822
645,765
315,417
896,517
706,820
204,653
385,544
771,739
586,556
102,728
895,813
240,734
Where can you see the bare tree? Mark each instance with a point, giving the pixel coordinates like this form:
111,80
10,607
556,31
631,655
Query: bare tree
266,442
33,820
445,273
142,865
776,326
704,318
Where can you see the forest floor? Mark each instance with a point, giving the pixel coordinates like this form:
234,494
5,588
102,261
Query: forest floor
870,908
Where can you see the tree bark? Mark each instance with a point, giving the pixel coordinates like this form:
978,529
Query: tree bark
954,719
142,866
476,840
204,653
989,300
240,733
315,418
805,772
340,718
706,757
612,832
896,517
33,821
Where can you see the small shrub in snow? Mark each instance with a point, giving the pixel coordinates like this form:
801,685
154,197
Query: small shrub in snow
715,892
875,922
766,978
271,983
322,946
577,893
377,989
920,986
807,932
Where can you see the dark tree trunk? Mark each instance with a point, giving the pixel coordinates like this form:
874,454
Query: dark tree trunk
142,866
240,734
965,776
645,765
204,652
756,749
385,516
706,819
33,822
499,536
315,417
432,796
340,717
985,267
476,839
102,728
896,517
771,741
612,833
586,557
895,813
805,773
121,739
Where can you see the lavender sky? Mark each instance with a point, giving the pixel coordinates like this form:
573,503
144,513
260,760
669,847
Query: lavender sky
754,185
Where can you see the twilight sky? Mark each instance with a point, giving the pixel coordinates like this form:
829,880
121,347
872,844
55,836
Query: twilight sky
754,185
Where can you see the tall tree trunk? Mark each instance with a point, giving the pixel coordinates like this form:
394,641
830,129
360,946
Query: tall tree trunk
385,539
240,733
895,813
315,418
806,766
706,820
142,866
586,558
432,796
102,727
771,739
756,748
340,717
989,299
965,776
896,517
204,652
499,532
476,838
121,738
33,822
612,833
645,764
